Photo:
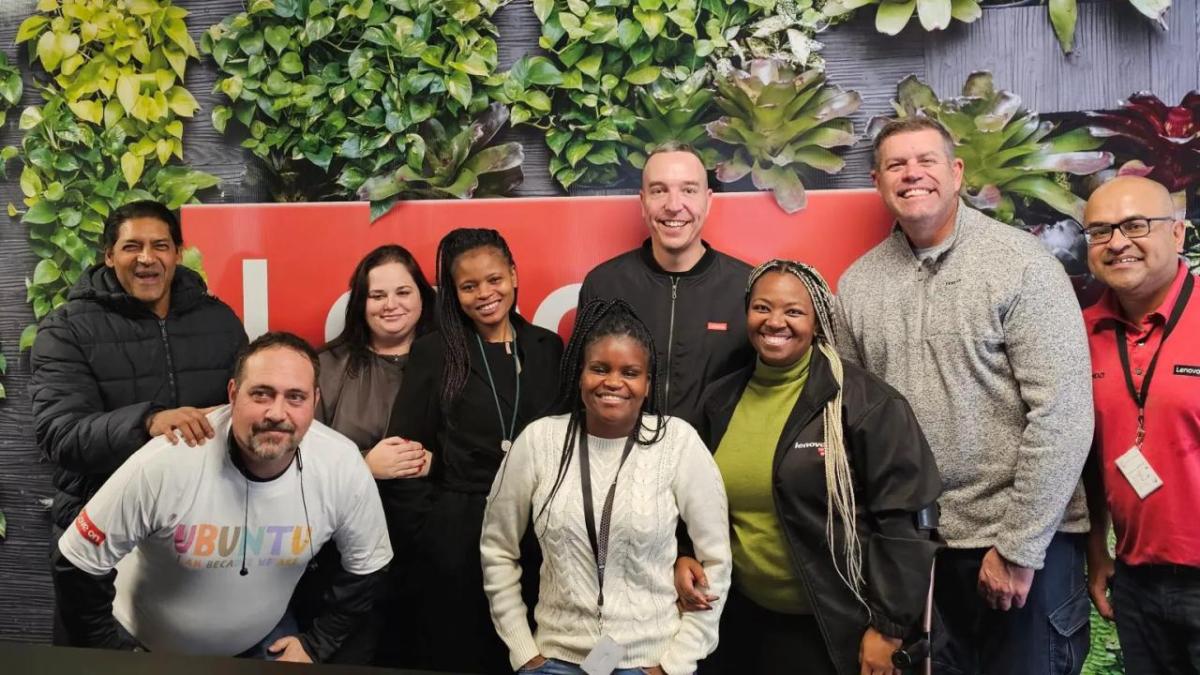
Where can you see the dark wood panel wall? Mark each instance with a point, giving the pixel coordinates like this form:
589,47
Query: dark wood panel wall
1117,53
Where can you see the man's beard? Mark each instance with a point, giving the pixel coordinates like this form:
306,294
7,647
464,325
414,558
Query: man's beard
265,450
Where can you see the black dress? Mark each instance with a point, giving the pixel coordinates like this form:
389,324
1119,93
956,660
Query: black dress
465,440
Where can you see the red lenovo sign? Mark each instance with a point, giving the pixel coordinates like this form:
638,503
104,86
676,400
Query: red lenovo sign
287,266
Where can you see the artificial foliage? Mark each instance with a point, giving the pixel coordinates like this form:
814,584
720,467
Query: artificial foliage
330,93
891,16
1161,142
10,95
1008,152
442,165
109,129
584,95
1064,14
779,122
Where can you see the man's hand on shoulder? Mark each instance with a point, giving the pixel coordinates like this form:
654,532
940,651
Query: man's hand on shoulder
187,423
289,649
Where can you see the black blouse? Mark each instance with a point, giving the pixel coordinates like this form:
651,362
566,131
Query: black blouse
466,438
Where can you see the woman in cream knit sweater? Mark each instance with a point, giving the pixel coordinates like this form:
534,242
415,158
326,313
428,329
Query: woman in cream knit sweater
606,578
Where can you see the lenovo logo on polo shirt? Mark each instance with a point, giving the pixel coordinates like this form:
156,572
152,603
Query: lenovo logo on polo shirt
88,529
1190,371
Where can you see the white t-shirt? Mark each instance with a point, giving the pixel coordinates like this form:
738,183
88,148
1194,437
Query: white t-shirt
171,521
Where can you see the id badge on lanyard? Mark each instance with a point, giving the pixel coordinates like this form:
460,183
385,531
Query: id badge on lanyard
1133,464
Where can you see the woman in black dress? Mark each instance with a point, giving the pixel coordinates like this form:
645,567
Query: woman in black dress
470,389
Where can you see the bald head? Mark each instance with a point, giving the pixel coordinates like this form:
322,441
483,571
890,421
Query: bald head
1141,259
1132,194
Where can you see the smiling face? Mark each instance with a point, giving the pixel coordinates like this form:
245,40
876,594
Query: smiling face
614,384
144,258
675,201
1144,266
780,320
919,183
273,407
393,304
486,285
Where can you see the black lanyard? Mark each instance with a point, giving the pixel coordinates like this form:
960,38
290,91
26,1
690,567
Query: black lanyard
1123,351
599,541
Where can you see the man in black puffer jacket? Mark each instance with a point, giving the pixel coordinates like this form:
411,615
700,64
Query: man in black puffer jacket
139,350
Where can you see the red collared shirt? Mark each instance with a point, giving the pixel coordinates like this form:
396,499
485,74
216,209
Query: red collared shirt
1165,526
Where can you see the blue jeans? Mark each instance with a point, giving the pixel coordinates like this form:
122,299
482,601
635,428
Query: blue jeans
557,667
1158,618
1048,636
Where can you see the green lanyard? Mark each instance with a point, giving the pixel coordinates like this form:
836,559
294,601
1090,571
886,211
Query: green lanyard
506,432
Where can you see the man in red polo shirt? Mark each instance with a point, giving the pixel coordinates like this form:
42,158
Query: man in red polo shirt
1144,336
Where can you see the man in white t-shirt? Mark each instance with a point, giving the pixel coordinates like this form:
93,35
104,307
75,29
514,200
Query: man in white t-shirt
206,544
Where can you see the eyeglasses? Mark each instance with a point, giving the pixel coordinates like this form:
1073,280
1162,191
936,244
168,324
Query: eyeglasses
1132,228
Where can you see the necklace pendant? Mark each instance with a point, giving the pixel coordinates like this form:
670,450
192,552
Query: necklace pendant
505,446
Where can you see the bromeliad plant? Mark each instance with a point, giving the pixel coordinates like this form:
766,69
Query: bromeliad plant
1007,151
107,132
893,15
672,111
1161,142
778,121
441,164
332,92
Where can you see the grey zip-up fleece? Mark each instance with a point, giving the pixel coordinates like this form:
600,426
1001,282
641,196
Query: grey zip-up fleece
987,343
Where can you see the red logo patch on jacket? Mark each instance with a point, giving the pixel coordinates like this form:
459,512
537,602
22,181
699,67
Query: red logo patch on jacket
718,325
88,529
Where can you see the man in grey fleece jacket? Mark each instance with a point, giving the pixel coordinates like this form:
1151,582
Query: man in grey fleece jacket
976,324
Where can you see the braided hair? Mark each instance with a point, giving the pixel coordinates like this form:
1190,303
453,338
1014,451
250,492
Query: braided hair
356,334
839,479
601,319
453,323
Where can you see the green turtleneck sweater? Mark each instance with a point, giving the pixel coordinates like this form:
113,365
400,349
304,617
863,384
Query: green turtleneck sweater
762,566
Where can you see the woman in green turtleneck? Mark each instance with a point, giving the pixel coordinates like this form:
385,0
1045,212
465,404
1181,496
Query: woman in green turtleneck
825,468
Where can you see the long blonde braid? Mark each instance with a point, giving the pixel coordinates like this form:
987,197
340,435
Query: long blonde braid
840,502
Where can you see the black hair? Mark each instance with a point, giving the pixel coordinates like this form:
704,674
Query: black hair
356,334
273,340
453,322
145,208
597,320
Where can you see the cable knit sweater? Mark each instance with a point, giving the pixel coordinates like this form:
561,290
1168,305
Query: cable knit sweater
674,479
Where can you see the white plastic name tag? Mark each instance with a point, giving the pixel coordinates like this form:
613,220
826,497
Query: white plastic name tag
1141,476
604,657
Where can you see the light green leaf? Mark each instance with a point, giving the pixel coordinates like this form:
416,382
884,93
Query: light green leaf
966,11
46,272
643,75
131,168
934,14
1063,15
278,37
28,334
31,27
892,17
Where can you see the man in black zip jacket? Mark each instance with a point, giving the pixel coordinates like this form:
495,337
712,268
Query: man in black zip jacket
689,295
140,349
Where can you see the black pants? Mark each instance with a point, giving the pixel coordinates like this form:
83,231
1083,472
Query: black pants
1048,636
1158,618
759,641
458,624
